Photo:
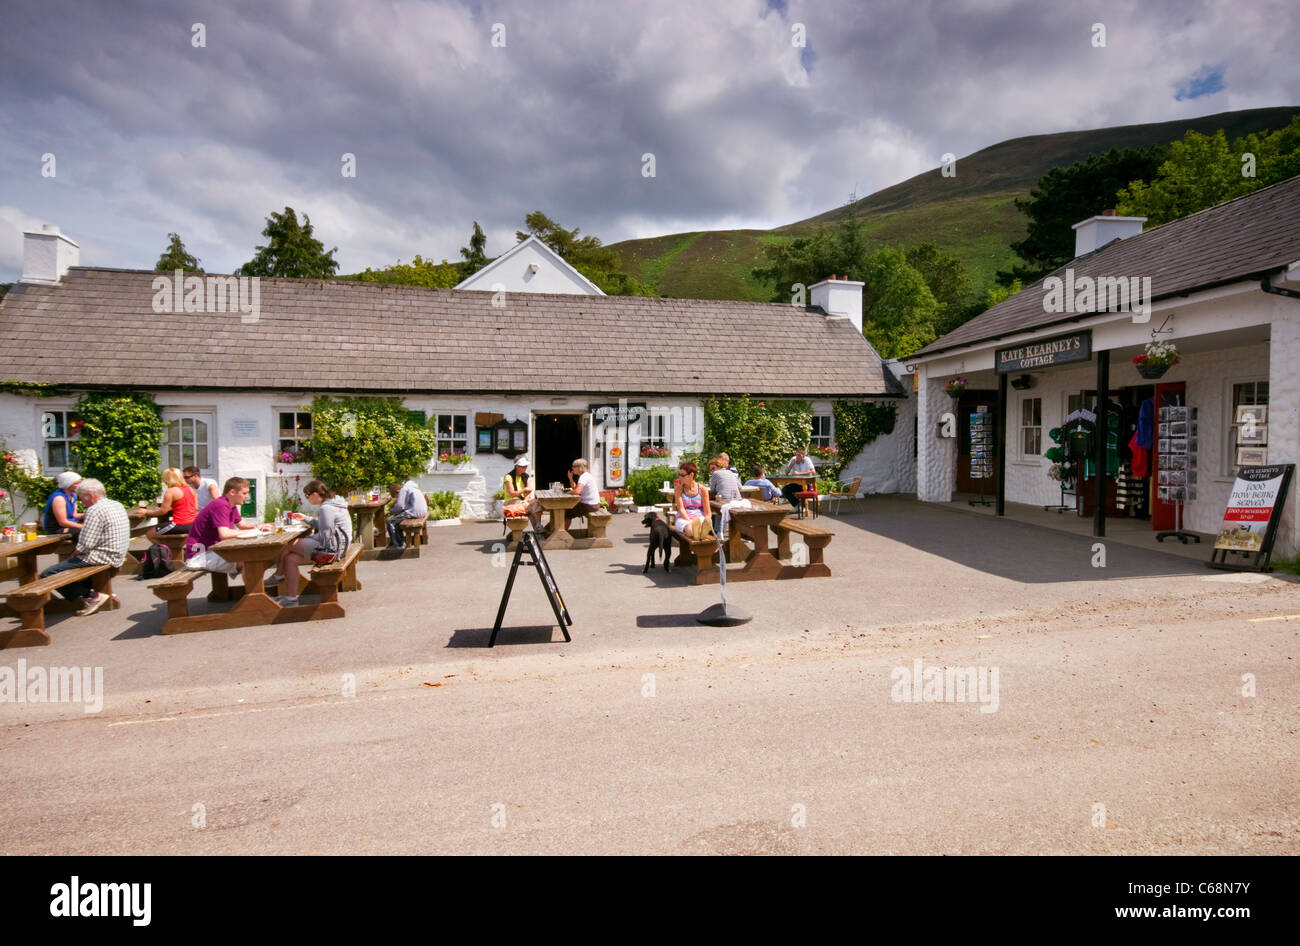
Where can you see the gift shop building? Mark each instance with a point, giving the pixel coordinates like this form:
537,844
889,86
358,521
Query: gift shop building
1039,400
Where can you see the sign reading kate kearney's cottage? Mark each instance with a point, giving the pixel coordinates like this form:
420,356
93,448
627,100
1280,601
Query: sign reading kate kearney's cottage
1048,353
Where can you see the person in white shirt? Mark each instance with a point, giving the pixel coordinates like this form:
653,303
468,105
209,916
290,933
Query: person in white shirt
205,490
585,487
799,464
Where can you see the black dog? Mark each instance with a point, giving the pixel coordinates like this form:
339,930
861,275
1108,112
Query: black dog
660,538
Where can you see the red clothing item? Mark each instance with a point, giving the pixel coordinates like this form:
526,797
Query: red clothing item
186,508
1141,458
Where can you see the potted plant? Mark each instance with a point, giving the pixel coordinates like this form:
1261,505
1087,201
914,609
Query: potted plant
454,461
498,503
955,387
1158,358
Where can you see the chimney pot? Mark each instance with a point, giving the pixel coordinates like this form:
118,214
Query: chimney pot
1096,232
47,255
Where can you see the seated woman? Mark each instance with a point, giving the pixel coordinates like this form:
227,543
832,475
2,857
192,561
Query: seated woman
520,486
60,515
178,509
692,500
333,525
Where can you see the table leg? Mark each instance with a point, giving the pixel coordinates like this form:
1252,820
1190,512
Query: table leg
26,568
366,525
559,537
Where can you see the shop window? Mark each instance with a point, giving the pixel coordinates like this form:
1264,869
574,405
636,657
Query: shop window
60,430
823,431
453,433
294,432
1248,425
1031,427
654,434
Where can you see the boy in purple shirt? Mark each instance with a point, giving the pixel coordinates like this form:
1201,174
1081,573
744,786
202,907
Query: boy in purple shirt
219,519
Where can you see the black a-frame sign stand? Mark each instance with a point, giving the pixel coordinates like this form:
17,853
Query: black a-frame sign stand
529,545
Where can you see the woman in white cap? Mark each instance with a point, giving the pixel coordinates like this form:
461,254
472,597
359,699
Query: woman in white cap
61,514
519,486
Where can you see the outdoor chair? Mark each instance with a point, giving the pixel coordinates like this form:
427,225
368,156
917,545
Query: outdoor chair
850,493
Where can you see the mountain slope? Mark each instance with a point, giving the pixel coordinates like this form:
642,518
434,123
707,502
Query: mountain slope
971,215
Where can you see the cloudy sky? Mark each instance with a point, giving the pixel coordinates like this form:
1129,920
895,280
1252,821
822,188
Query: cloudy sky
463,111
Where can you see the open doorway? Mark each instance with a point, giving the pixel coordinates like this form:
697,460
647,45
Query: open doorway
557,442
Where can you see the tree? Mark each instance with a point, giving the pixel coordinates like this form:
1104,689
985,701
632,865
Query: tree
1064,196
291,250
1204,170
474,254
842,250
418,272
119,444
176,257
898,309
367,441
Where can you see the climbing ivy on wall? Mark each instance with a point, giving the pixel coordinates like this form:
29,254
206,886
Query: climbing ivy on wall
857,425
120,444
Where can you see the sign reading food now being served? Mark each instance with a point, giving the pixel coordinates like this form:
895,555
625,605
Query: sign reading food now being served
1061,350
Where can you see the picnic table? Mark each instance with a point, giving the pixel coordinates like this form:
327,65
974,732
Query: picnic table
254,606
365,510
556,504
31,611
25,553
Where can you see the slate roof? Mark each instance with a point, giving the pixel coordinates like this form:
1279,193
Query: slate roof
1244,238
323,335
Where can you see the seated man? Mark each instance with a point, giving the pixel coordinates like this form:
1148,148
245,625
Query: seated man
105,534
724,484
799,465
219,519
586,487
770,489
410,504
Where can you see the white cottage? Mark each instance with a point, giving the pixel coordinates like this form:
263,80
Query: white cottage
1221,285
235,366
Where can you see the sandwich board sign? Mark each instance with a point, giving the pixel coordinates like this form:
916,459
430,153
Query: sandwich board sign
1251,519
529,545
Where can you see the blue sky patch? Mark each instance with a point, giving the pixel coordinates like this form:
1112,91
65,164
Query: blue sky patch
1205,81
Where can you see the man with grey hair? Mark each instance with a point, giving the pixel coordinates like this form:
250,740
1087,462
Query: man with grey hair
105,534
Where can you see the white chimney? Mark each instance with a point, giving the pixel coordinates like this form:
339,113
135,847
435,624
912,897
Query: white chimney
839,299
1096,232
47,254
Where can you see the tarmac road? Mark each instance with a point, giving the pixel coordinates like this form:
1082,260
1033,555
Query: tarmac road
1120,722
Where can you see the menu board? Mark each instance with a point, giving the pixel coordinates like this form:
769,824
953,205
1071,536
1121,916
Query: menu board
1254,506
981,445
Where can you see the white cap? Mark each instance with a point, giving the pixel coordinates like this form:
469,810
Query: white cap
67,478
522,462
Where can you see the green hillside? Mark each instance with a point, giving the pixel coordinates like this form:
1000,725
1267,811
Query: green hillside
971,215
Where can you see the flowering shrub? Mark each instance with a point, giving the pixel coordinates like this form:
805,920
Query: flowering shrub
1159,355
653,452
824,453
20,476
455,459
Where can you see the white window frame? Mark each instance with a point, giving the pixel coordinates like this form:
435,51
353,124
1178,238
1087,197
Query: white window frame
813,441
1229,439
56,407
1022,427
464,442
279,438
177,412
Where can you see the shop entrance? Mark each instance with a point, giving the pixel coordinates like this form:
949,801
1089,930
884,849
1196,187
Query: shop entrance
1128,470
557,442
969,403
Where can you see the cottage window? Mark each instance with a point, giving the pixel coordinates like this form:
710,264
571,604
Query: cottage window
823,430
654,432
1247,429
294,433
60,430
1031,427
453,433
187,441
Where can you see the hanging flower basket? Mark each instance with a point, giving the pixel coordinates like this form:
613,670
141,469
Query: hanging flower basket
955,387
1159,358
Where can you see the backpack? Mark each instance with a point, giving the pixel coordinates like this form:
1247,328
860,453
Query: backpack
156,562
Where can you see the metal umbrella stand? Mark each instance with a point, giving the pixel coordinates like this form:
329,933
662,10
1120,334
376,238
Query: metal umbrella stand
721,615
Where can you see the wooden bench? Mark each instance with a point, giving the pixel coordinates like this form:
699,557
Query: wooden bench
516,525
326,580
29,601
415,532
594,535
702,553
814,538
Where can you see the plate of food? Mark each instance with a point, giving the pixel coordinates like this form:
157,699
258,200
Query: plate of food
248,534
